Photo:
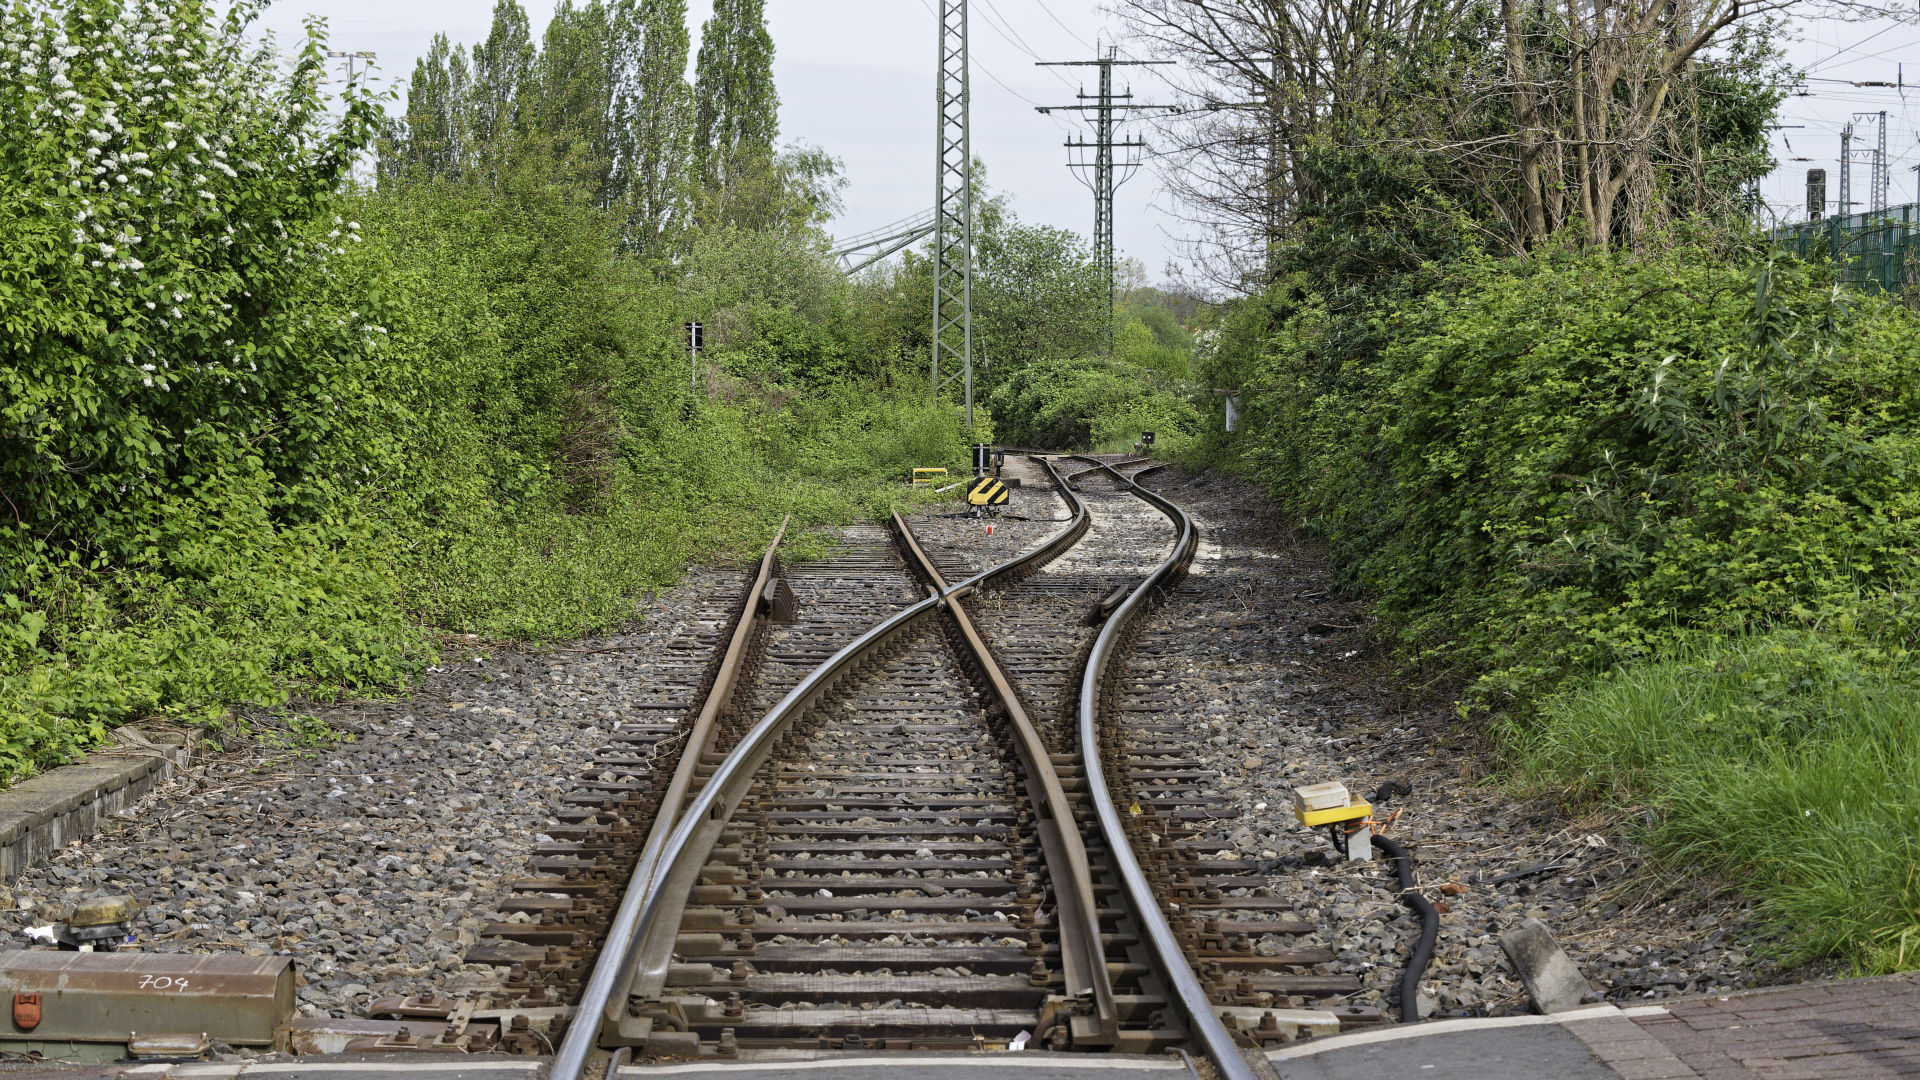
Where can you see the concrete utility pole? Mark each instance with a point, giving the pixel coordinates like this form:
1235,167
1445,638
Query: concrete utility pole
953,208
1105,107
1845,205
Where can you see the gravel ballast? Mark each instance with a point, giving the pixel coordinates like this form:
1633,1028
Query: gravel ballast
376,861
1285,689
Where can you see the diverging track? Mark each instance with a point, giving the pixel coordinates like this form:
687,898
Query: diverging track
906,849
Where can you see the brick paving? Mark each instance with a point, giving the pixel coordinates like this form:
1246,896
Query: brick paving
1855,1028
1627,1049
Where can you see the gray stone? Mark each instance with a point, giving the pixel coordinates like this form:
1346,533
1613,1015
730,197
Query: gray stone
1554,982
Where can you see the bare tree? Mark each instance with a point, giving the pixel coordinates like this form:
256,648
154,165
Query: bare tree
1261,81
1545,112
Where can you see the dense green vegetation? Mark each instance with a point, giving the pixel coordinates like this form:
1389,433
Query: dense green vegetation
266,428
264,431
1657,506
1636,486
1047,365
1783,759
1553,467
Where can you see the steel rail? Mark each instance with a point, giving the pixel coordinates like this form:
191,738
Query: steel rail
1189,997
1098,465
701,734
638,947
1083,955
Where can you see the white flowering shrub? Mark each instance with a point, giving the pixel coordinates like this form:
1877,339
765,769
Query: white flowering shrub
167,211
174,348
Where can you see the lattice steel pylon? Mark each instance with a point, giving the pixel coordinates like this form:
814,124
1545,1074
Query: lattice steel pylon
1106,107
952,345
1877,180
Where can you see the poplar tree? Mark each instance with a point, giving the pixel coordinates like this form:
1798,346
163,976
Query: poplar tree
502,69
573,110
602,103
434,141
738,117
653,144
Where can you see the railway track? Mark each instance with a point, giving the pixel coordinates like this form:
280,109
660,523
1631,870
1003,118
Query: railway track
868,825
1236,935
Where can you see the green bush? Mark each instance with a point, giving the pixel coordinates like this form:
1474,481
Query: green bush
1554,466
1661,508
179,370
1091,403
262,434
1785,760
716,486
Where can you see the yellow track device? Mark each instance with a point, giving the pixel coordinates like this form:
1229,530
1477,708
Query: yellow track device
987,491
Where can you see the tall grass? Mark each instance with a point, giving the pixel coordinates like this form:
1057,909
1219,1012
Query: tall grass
718,488
1782,759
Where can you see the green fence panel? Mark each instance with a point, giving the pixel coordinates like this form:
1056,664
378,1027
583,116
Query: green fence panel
1873,252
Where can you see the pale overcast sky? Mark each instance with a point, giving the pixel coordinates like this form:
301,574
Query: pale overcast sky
856,77
1836,55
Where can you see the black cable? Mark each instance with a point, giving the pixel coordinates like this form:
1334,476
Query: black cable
1429,918
1389,790
1429,930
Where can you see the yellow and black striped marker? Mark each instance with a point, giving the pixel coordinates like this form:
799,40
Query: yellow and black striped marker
987,491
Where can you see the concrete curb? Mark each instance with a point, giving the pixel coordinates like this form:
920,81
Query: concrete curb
1608,1032
41,815
1397,1032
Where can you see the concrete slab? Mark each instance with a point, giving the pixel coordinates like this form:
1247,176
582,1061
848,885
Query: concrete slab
1599,1042
374,1068
1527,1052
42,814
1037,1065
1554,982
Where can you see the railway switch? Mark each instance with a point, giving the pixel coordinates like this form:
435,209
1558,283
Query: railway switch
1346,818
777,601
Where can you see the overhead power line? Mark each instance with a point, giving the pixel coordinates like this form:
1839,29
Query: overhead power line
1856,46
984,69
1104,109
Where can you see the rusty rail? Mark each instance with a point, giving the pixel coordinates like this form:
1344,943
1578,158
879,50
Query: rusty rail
1082,953
1099,465
700,736
607,979
1181,984
639,943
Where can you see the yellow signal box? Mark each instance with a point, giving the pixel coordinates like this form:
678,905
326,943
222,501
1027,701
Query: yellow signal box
1329,804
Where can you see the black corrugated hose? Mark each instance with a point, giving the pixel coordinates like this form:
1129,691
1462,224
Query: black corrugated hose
1413,898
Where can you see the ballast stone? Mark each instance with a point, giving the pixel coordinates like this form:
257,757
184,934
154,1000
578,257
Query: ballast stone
1554,982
